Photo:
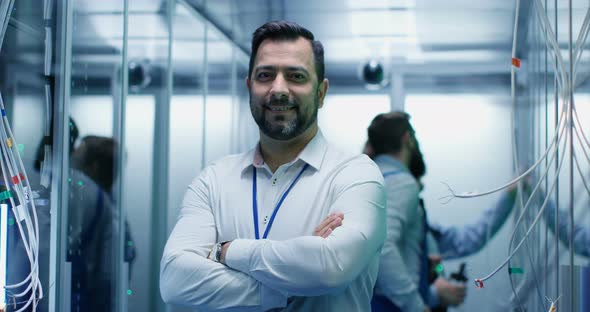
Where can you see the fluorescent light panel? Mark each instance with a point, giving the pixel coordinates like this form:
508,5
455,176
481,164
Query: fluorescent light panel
381,4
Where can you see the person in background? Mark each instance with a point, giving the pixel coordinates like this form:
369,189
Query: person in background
403,283
292,224
581,233
92,219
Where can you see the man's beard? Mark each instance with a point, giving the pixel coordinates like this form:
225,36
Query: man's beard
291,129
417,165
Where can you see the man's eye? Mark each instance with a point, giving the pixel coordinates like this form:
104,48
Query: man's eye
263,76
298,77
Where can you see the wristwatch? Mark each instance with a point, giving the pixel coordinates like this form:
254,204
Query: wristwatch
215,253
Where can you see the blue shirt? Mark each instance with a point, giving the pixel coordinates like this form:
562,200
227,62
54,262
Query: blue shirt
399,267
461,241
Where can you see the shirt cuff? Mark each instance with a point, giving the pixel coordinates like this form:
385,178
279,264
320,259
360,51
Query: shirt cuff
239,253
433,300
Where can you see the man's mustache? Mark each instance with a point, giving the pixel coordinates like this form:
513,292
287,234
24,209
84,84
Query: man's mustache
282,102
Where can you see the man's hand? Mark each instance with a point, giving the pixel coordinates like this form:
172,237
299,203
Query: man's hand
433,262
450,294
331,222
224,248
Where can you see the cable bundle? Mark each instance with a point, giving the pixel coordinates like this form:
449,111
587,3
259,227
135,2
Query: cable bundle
568,120
29,290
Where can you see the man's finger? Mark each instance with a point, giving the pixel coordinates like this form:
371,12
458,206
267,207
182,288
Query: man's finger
325,222
326,233
330,218
336,222
327,226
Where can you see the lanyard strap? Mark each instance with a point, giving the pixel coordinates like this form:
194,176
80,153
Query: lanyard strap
274,213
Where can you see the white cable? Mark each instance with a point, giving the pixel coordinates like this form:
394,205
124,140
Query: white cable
526,206
537,218
26,180
8,155
513,127
515,180
551,38
13,164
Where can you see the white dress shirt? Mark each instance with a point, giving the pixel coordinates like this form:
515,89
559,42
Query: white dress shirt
291,268
399,269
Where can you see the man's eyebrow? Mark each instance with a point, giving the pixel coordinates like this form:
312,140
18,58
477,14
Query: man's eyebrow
289,68
297,68
265,67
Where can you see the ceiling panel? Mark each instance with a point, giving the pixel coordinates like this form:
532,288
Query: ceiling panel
441,33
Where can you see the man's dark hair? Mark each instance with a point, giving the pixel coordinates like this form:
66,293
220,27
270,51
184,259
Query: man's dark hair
417,166
96,158
387,130
287,31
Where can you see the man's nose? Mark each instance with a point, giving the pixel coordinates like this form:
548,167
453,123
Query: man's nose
279,90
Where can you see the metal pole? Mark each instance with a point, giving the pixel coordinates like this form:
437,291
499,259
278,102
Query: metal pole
119,247
5,12
546,267
205,92
59,289
160,165
571,135
556,224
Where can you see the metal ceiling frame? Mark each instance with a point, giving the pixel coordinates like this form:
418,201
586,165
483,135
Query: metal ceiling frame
5,12
200,11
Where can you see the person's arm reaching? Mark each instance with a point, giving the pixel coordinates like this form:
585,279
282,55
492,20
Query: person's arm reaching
188,278
581,234
395,280
455,242
312,265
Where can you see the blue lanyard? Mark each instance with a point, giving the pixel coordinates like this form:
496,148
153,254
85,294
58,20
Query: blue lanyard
274,213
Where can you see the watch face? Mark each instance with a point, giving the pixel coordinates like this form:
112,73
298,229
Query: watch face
218,253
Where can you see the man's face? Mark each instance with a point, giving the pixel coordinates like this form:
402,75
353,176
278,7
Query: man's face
284,92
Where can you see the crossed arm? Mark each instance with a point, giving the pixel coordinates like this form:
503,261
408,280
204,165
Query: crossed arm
331,222
262,274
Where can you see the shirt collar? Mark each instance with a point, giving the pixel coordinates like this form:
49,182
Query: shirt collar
390,161
313,153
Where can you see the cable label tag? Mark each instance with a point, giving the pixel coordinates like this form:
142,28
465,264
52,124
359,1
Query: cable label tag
19,213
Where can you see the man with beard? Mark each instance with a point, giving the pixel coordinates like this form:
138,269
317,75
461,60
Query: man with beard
404,271
246,238
393,147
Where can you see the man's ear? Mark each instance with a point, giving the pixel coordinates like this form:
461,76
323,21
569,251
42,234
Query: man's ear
322,90
248,82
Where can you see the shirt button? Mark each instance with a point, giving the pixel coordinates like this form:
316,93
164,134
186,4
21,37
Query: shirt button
274,181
